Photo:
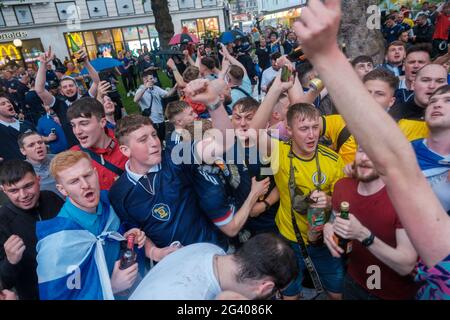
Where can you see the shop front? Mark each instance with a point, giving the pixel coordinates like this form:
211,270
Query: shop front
108,42
284,18
203,28
11,54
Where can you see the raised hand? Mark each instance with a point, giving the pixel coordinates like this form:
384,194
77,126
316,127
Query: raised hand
206,91
47,57
103,89
318,27
171,64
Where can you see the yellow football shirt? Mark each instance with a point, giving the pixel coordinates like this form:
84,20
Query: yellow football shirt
332,127
413,129
306,175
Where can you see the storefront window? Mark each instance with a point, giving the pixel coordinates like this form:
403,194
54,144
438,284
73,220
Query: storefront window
89,38
130,33
103,36
31,49
118,40
203,28
191,26
77,37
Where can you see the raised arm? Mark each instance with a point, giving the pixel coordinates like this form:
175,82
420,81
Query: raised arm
419,210
212,94
224,52
92,73
178,77
262,116
46,97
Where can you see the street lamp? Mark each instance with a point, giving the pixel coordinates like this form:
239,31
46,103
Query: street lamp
18,44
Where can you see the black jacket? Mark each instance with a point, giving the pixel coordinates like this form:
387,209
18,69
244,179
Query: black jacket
423,34
9,149
15,221
407,110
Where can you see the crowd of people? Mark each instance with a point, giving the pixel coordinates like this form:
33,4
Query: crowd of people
260,174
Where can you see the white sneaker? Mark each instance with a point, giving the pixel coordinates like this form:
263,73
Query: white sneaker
128,93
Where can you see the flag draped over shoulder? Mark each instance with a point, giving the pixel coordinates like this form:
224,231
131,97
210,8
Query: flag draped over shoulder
430,163
71,260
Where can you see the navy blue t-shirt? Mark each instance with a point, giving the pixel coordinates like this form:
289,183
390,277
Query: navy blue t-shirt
171,212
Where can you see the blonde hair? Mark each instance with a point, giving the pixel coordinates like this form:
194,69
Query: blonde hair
65,160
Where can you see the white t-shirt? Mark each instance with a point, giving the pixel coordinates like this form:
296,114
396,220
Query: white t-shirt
268,75
152,98
186,274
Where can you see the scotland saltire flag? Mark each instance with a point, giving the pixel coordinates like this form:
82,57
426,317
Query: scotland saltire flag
71,260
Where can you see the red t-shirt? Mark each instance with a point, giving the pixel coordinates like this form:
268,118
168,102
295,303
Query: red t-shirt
441,27
111,154
377,214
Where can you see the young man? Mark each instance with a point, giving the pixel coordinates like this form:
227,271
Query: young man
149,97
87,118
428,79
417,56
109,106
180,114
395,54
381,84
422,216
423,30
207,68
235,75
158,182
88,223
270,73
378,237
262,266
433,153
311,169
362,65
49,126
391,29
26,205
226,193
10,129
68,89
33,147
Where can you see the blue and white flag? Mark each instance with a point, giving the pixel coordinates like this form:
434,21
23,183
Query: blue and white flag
71,260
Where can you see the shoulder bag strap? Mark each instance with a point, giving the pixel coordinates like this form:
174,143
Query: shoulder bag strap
306,258
108,165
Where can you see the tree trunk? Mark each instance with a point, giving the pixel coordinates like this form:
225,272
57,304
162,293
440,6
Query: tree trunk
359,30
163,22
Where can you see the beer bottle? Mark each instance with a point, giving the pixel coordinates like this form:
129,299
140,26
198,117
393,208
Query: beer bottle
264,172
345,244
129,256
75,48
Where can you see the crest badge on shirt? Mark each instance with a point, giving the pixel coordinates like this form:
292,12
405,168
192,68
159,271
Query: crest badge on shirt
161,212
315,178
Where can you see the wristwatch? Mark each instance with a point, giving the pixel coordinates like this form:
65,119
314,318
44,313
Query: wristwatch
214,106
368,241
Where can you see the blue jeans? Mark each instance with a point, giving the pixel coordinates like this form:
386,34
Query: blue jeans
329,269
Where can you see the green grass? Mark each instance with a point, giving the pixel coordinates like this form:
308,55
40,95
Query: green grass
132,107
